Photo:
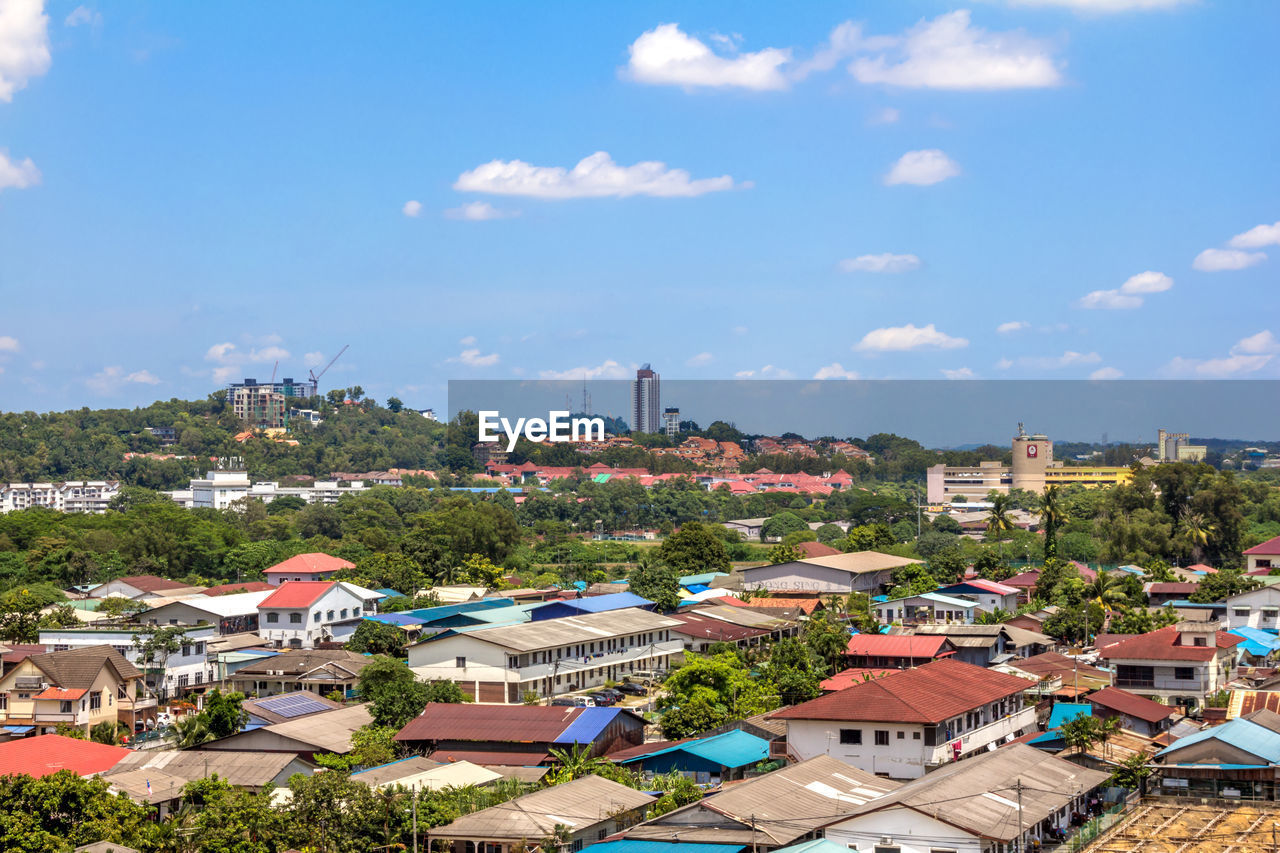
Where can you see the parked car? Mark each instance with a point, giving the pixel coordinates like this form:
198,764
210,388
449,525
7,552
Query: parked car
584,702
644,676
564,702
631,688
606,697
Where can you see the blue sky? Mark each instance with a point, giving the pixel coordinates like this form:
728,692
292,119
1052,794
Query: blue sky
1004,189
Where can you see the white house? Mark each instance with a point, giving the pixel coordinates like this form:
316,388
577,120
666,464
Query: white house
989,594
236,613
1180,664
1264,556
906,723
551,657
1014,798
860,571
91,496
927,608
186,668
302,613
1256,608
144,588
306,567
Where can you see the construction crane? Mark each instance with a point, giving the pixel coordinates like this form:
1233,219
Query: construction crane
315,377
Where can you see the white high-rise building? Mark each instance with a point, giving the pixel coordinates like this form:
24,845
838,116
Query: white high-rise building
646,401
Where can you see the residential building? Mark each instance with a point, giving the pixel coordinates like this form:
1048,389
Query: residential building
859,571
906,723
699,631
1074,678
895,651
1033,469
306,567
317,671
266,404
1016,798
143,588
671,422
505,662
1160,593
236,613
422,774
1180,664
646,401
1135,713
92,496
590,808
79,687
166,675
1255,608
517,735
300,614
44,755
706,760
157,777
590,604
926,608
1239,759
1263,556
990,595
770,811
219,489
981,645
282,707
306,737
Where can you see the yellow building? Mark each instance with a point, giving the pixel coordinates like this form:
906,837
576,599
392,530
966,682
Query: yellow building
79,687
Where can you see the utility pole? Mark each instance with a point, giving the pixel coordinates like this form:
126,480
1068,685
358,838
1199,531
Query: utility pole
415,819
753,834
1022,847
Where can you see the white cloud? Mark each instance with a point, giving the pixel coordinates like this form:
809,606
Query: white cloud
1067,359
113,378
766,372
699,360
1011,327
469,340
411,208
887,263
24,45
17,174
908,337
1219,368
1130,294
922,168
313,359
596,176
1106,373
1104,5
472,357
834,370
1263,343
609,369
1219,260
948,53
230,359
82,15
1257,237
219,352
479,211
958,373
1004,364
888,115
9,344
665,56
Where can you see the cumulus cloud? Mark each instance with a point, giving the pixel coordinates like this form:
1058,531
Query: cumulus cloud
313,359
479,211
1220,260
608,369
113,378
468,341
1101,6
596,176
9,344
886,263
1106,373
1070,358
949,53
83,16
472,357
769,371
922,168
699,360
228,359
17,174
1130,294
24,45
666,56
958,373
1257,237
411,208
835,370
1011,327
1004,364
1263,343
888,115
908,337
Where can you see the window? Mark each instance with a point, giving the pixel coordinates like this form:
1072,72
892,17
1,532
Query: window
344,613
95,702
184,680
355,611
1201,641
186,651
915,736
61,647
882,737
64,707
887,848
199,678
853,736
460,662
901,735
273,618
316,616
295,618
1184,673
199,648
4,701
1240,611
329,616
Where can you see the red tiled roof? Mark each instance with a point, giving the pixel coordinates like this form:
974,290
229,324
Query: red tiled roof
1161,645
852,676
805,605
928,694
1130,704
897,645
245,586
1269,548
1201,567
989,586
151,583
297,594
817,549
59,693
1173,588
489,723
47,754
708,628
18,652
311,563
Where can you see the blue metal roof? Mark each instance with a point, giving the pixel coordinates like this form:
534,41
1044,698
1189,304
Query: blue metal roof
1256,641
443,611
590,604
633,845
1065,712
817,845
696,588
731,749
588,724
390,593
706,578
396,619
1240,733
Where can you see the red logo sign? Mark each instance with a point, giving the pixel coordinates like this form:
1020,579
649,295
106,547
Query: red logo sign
1032,450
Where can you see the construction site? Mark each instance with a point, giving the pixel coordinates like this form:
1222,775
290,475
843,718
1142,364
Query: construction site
1194,827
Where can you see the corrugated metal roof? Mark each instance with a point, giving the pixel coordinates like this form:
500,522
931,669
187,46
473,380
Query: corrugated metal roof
1241,733
508,723
578,805
588,725
632,845
731,749
1131,704
243,768
896,645
418,773
587,628
1065,712
590,604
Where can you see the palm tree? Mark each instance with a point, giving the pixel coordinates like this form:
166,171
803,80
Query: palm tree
998,519
576,761
193,729
1105,591
1052,516
1104,730
1199,531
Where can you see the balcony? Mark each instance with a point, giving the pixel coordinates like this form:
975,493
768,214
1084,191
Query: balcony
569,666
978,738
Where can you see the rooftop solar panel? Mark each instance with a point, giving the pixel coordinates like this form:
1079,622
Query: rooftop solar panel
293,705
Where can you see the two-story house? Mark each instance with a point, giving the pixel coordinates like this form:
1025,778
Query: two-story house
166,672
302,613
80,687
1180,664
306,567
503,663
1255,608
903,724
990,595
1264,556
927,608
